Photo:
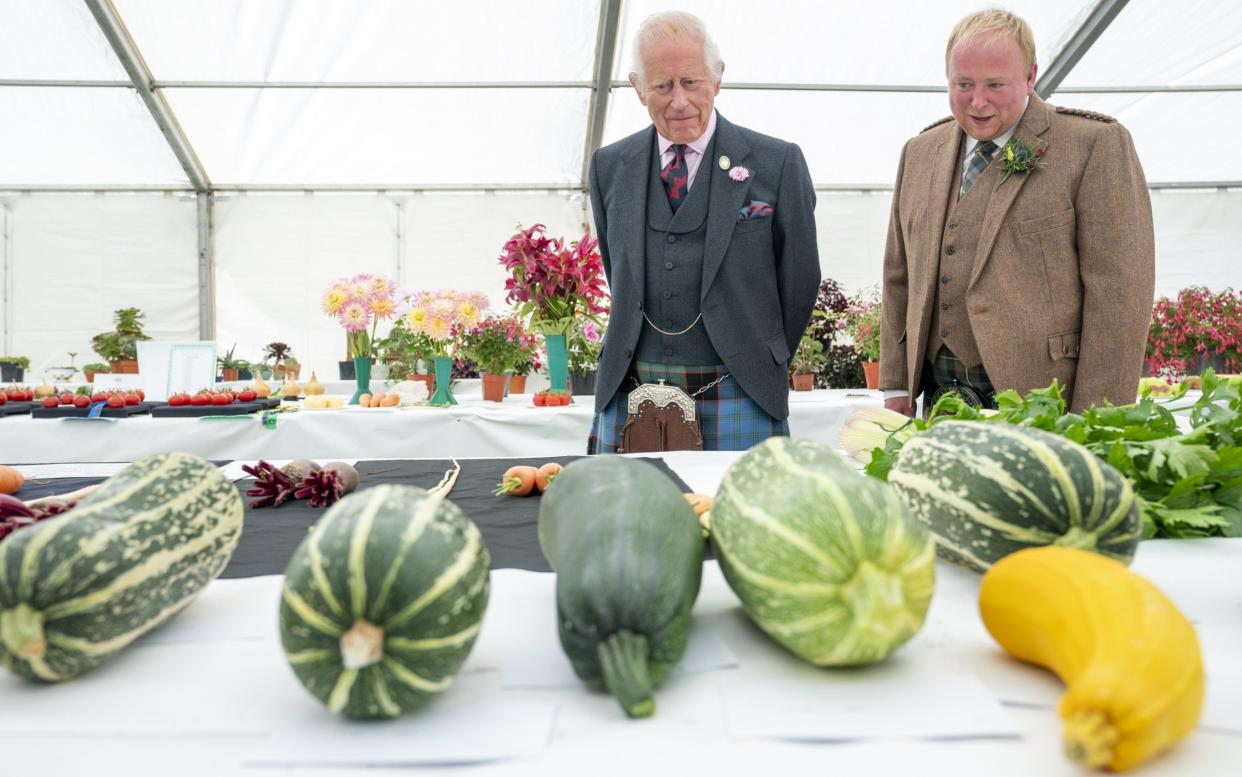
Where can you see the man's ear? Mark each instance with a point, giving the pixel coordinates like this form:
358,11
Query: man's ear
719,78
1030,80
642,98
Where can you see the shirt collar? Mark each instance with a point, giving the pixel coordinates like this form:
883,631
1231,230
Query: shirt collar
999,140
699,145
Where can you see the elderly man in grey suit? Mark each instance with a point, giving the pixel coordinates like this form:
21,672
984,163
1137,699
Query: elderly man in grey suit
707,233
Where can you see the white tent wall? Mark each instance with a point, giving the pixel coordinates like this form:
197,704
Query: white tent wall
74,259
277,254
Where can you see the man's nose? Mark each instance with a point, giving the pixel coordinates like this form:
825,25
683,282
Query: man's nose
978,97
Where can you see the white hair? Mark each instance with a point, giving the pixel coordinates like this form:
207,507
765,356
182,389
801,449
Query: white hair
676,25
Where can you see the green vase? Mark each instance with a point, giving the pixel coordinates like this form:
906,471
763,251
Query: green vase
362,375
443,396
558,363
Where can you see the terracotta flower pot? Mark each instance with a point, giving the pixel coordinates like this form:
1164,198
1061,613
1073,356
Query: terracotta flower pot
517,384
804,381
494,387
228,375
125,366
428,379
872,371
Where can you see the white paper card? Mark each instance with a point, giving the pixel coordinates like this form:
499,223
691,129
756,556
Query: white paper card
539,662
106,381
97,469
239,610
163,690
441,734
895,700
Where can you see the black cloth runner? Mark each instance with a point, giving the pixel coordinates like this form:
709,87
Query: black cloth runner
508,523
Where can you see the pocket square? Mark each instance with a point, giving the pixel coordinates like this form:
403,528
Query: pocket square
756,209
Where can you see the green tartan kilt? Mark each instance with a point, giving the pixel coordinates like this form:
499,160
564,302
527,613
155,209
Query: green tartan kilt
728,419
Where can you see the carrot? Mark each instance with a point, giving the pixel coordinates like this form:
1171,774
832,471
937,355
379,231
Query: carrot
517,481
546,474
700,502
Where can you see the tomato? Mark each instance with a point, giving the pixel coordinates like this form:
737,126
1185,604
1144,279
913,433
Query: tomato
132,398
142,395
3,397
540,399
247,395
198,400
99,396
81,400
116,401
179,400
221,399
66,398
51,402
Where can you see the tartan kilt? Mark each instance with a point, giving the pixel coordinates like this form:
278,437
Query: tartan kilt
728,419
947,371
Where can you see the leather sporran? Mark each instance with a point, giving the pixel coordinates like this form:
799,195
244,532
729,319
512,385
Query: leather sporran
660,418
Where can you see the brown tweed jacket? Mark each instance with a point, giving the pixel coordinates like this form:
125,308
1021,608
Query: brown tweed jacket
1064,275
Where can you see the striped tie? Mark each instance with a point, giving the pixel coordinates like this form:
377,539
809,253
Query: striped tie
977,163
676,177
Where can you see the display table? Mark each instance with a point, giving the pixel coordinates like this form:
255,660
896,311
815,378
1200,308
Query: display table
473,428
210,693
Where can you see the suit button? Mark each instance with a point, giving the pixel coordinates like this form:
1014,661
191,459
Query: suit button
671,238
952,225
668,351
668,322
944,306
628,353
944,333
943,279
640,305
1065,349
668,295
668,265
949,250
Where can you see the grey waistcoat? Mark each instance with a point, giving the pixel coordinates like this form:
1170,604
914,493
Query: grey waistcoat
673,276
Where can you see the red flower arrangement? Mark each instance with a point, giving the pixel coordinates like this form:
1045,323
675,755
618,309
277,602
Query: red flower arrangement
551,283
1193,330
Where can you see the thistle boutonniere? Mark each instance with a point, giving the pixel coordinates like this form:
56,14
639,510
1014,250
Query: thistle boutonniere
1018,157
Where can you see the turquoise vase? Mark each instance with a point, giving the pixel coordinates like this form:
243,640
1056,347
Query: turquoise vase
443,396
362,375
558,363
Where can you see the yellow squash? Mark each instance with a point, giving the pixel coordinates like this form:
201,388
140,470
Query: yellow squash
1129,658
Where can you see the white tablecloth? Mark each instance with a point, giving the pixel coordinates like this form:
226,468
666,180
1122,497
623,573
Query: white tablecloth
211,689
473,428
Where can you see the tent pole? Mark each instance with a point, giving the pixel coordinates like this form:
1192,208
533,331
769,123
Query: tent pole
605,57
206,267
6,277
1093,26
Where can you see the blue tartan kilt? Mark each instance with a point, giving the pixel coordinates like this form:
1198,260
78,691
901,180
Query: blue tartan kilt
728,419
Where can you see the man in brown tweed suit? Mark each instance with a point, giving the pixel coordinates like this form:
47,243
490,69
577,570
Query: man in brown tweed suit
1000,274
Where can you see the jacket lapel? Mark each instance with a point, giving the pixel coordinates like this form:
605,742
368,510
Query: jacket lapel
629,223
1034,123
726,200
940,191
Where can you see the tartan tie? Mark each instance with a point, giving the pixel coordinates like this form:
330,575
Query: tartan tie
977,163
676,177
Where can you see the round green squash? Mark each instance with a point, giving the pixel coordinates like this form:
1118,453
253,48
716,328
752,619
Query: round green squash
990,489
628,555
383,600
827,562
78,588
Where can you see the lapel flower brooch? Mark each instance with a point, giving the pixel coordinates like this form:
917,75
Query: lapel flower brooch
739,173
1021,158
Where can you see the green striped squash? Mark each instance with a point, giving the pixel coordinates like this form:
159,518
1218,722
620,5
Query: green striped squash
383,600
827,562
987,490
76,589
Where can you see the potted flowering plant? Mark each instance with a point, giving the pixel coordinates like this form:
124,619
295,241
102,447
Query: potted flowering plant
13,368
554,285
358,303
120,346
529,360
809,358
862,323
1197,330
441,316
495,346
585,343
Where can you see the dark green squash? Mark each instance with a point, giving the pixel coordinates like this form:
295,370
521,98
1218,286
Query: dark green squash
628,556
